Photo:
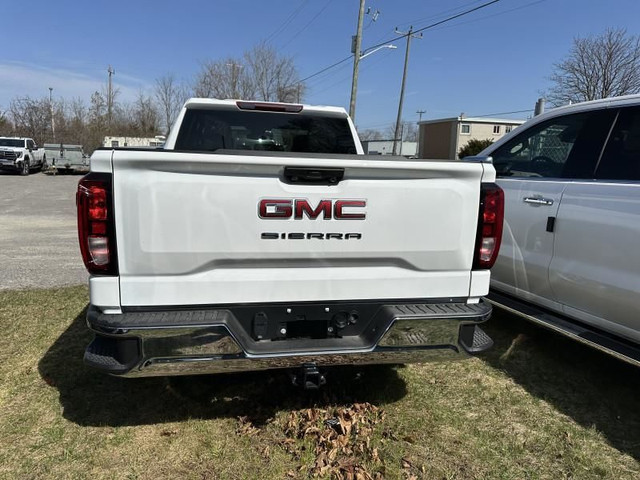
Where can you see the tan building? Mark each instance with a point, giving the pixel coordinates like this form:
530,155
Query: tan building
443,138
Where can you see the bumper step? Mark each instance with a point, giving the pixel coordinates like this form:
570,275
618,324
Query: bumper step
112,355
474,340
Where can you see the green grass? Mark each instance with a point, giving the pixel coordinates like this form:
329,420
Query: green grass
535,406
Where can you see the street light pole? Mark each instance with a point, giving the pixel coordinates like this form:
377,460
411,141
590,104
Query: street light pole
356,62
111,72
409,35
53,125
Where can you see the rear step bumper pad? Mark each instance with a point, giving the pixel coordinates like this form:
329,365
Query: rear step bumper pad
184,342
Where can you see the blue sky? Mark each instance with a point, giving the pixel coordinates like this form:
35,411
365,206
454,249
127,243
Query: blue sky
495,60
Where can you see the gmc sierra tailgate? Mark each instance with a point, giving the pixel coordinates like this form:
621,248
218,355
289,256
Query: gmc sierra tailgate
232,228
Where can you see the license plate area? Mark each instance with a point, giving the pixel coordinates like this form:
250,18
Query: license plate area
281,323
314,329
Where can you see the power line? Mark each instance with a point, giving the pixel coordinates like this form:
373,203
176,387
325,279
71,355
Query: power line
287,21
343,79
308,23
438,15
494,14
325,69
422,20
502,113
377,125
448,19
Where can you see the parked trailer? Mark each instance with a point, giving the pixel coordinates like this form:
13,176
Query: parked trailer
66,157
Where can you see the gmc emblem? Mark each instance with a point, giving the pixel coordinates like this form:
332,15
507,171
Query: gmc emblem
297,208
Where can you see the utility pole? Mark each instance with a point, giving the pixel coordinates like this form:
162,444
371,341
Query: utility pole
409,35
53,125
355,49
111,72
420,112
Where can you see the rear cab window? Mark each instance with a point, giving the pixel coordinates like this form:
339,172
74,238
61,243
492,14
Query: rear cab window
208,130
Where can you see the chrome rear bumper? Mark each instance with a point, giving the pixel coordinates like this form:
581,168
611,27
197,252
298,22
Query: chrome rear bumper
140,344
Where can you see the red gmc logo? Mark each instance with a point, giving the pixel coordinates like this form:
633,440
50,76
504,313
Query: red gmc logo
297,208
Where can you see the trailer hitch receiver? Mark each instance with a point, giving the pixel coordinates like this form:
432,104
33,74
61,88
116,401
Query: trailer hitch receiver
308,377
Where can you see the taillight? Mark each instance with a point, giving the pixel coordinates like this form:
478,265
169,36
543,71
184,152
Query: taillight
489,233
96,231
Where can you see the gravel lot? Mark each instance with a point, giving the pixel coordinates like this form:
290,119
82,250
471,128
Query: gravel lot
38,236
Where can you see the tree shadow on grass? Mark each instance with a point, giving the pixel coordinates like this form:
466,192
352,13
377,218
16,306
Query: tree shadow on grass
592,388
89,397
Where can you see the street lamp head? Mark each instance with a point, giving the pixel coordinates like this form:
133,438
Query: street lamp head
388,45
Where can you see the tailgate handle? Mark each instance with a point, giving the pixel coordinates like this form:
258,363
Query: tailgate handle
313,176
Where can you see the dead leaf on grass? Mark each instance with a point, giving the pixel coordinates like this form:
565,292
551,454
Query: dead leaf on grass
341,439
246,428
516,342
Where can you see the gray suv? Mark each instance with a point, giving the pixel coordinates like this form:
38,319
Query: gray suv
569,258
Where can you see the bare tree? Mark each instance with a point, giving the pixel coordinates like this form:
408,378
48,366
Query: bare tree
96,118
5,124
97,109
170,95
261,74
275,77
601,66
222,79
30,117
408,132
77,121
370,134
145,119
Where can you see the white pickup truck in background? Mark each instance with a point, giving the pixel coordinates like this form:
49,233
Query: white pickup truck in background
21,154
261,237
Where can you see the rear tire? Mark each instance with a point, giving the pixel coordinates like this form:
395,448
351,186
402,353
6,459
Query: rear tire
25,167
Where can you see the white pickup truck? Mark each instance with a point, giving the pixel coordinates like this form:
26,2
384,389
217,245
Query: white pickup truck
261,237
21,154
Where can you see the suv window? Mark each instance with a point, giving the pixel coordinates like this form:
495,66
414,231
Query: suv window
621,157
210,130
30,144
563,147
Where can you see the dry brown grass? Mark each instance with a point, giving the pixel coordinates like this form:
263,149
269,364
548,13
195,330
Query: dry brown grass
536,406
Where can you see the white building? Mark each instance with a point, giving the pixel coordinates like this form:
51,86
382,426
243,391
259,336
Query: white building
115,142
385,147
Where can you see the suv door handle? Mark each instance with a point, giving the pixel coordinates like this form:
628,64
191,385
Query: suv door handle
538,200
